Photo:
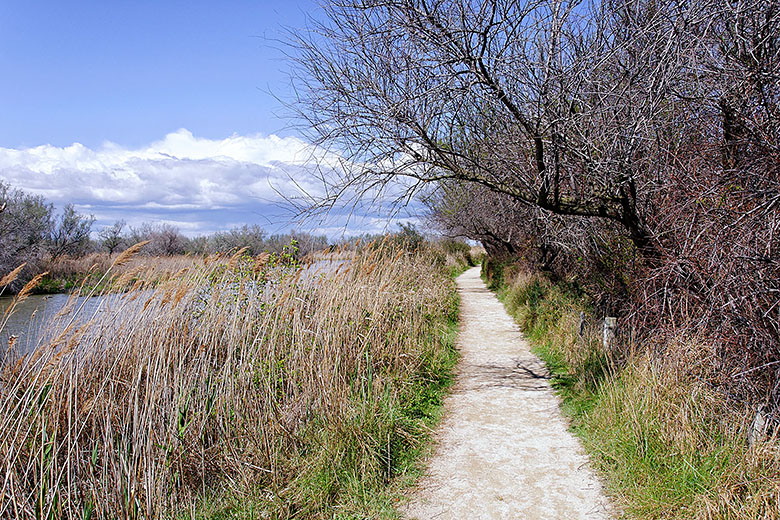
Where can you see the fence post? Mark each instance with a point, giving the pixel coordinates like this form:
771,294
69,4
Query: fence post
608,337
758,427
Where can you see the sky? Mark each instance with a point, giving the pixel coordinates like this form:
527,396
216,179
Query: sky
161,111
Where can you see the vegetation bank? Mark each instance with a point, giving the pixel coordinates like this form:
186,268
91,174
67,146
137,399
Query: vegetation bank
236,387
670,444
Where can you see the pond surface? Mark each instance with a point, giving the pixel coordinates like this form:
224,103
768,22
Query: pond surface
30,319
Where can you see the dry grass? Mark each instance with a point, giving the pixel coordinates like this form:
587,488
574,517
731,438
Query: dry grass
671,446
676,449
217,379
68,273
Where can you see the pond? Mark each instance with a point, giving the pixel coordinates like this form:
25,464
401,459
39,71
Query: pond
28,321
31,318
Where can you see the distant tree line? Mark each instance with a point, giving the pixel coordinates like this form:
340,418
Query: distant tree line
33,233
631,146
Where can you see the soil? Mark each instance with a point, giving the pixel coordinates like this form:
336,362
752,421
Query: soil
503,449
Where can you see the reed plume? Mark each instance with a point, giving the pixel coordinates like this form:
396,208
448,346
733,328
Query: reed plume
212,380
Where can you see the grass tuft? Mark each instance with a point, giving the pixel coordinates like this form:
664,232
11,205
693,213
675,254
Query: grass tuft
668,444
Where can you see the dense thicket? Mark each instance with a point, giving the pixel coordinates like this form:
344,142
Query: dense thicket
631,145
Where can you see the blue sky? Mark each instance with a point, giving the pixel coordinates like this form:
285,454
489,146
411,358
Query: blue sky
132,71
156,111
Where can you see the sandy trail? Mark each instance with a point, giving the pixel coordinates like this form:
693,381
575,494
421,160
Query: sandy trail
503,449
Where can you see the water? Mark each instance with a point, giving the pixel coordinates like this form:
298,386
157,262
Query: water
324,267
29,321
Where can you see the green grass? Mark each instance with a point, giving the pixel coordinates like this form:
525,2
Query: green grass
58,285
366,480
345,478
360,469
668,445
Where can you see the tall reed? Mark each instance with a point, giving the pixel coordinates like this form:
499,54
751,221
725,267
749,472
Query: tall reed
218,379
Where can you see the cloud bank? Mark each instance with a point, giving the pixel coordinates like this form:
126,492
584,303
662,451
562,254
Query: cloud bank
200,185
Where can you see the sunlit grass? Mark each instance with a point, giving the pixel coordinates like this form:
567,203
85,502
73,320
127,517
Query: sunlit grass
668,443
232,387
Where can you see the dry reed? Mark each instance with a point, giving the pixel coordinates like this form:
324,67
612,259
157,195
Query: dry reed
210,378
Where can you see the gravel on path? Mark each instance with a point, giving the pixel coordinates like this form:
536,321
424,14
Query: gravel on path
503,449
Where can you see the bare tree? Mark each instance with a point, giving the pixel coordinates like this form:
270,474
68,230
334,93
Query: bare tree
637,141
164,239
552,103
247,236
112,237
70,233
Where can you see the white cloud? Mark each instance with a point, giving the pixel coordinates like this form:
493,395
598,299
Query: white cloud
178,173
198,184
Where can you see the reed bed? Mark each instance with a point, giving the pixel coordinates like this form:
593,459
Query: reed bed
67,273
248,379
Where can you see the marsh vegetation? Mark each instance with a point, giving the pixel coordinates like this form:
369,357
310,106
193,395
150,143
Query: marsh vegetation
232,384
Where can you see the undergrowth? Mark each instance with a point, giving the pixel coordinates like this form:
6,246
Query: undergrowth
668,444
231,387
361,469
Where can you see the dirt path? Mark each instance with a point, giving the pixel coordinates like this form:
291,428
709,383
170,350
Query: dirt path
503,450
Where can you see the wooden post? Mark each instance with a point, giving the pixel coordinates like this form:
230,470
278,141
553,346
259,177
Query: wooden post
758,428
608,337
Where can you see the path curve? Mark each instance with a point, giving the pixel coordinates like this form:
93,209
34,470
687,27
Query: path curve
503,450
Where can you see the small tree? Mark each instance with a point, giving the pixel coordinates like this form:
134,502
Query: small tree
249,236
112,238
25,223
165,239
70,234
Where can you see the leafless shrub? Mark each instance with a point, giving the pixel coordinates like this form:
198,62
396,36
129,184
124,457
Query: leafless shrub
631,144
